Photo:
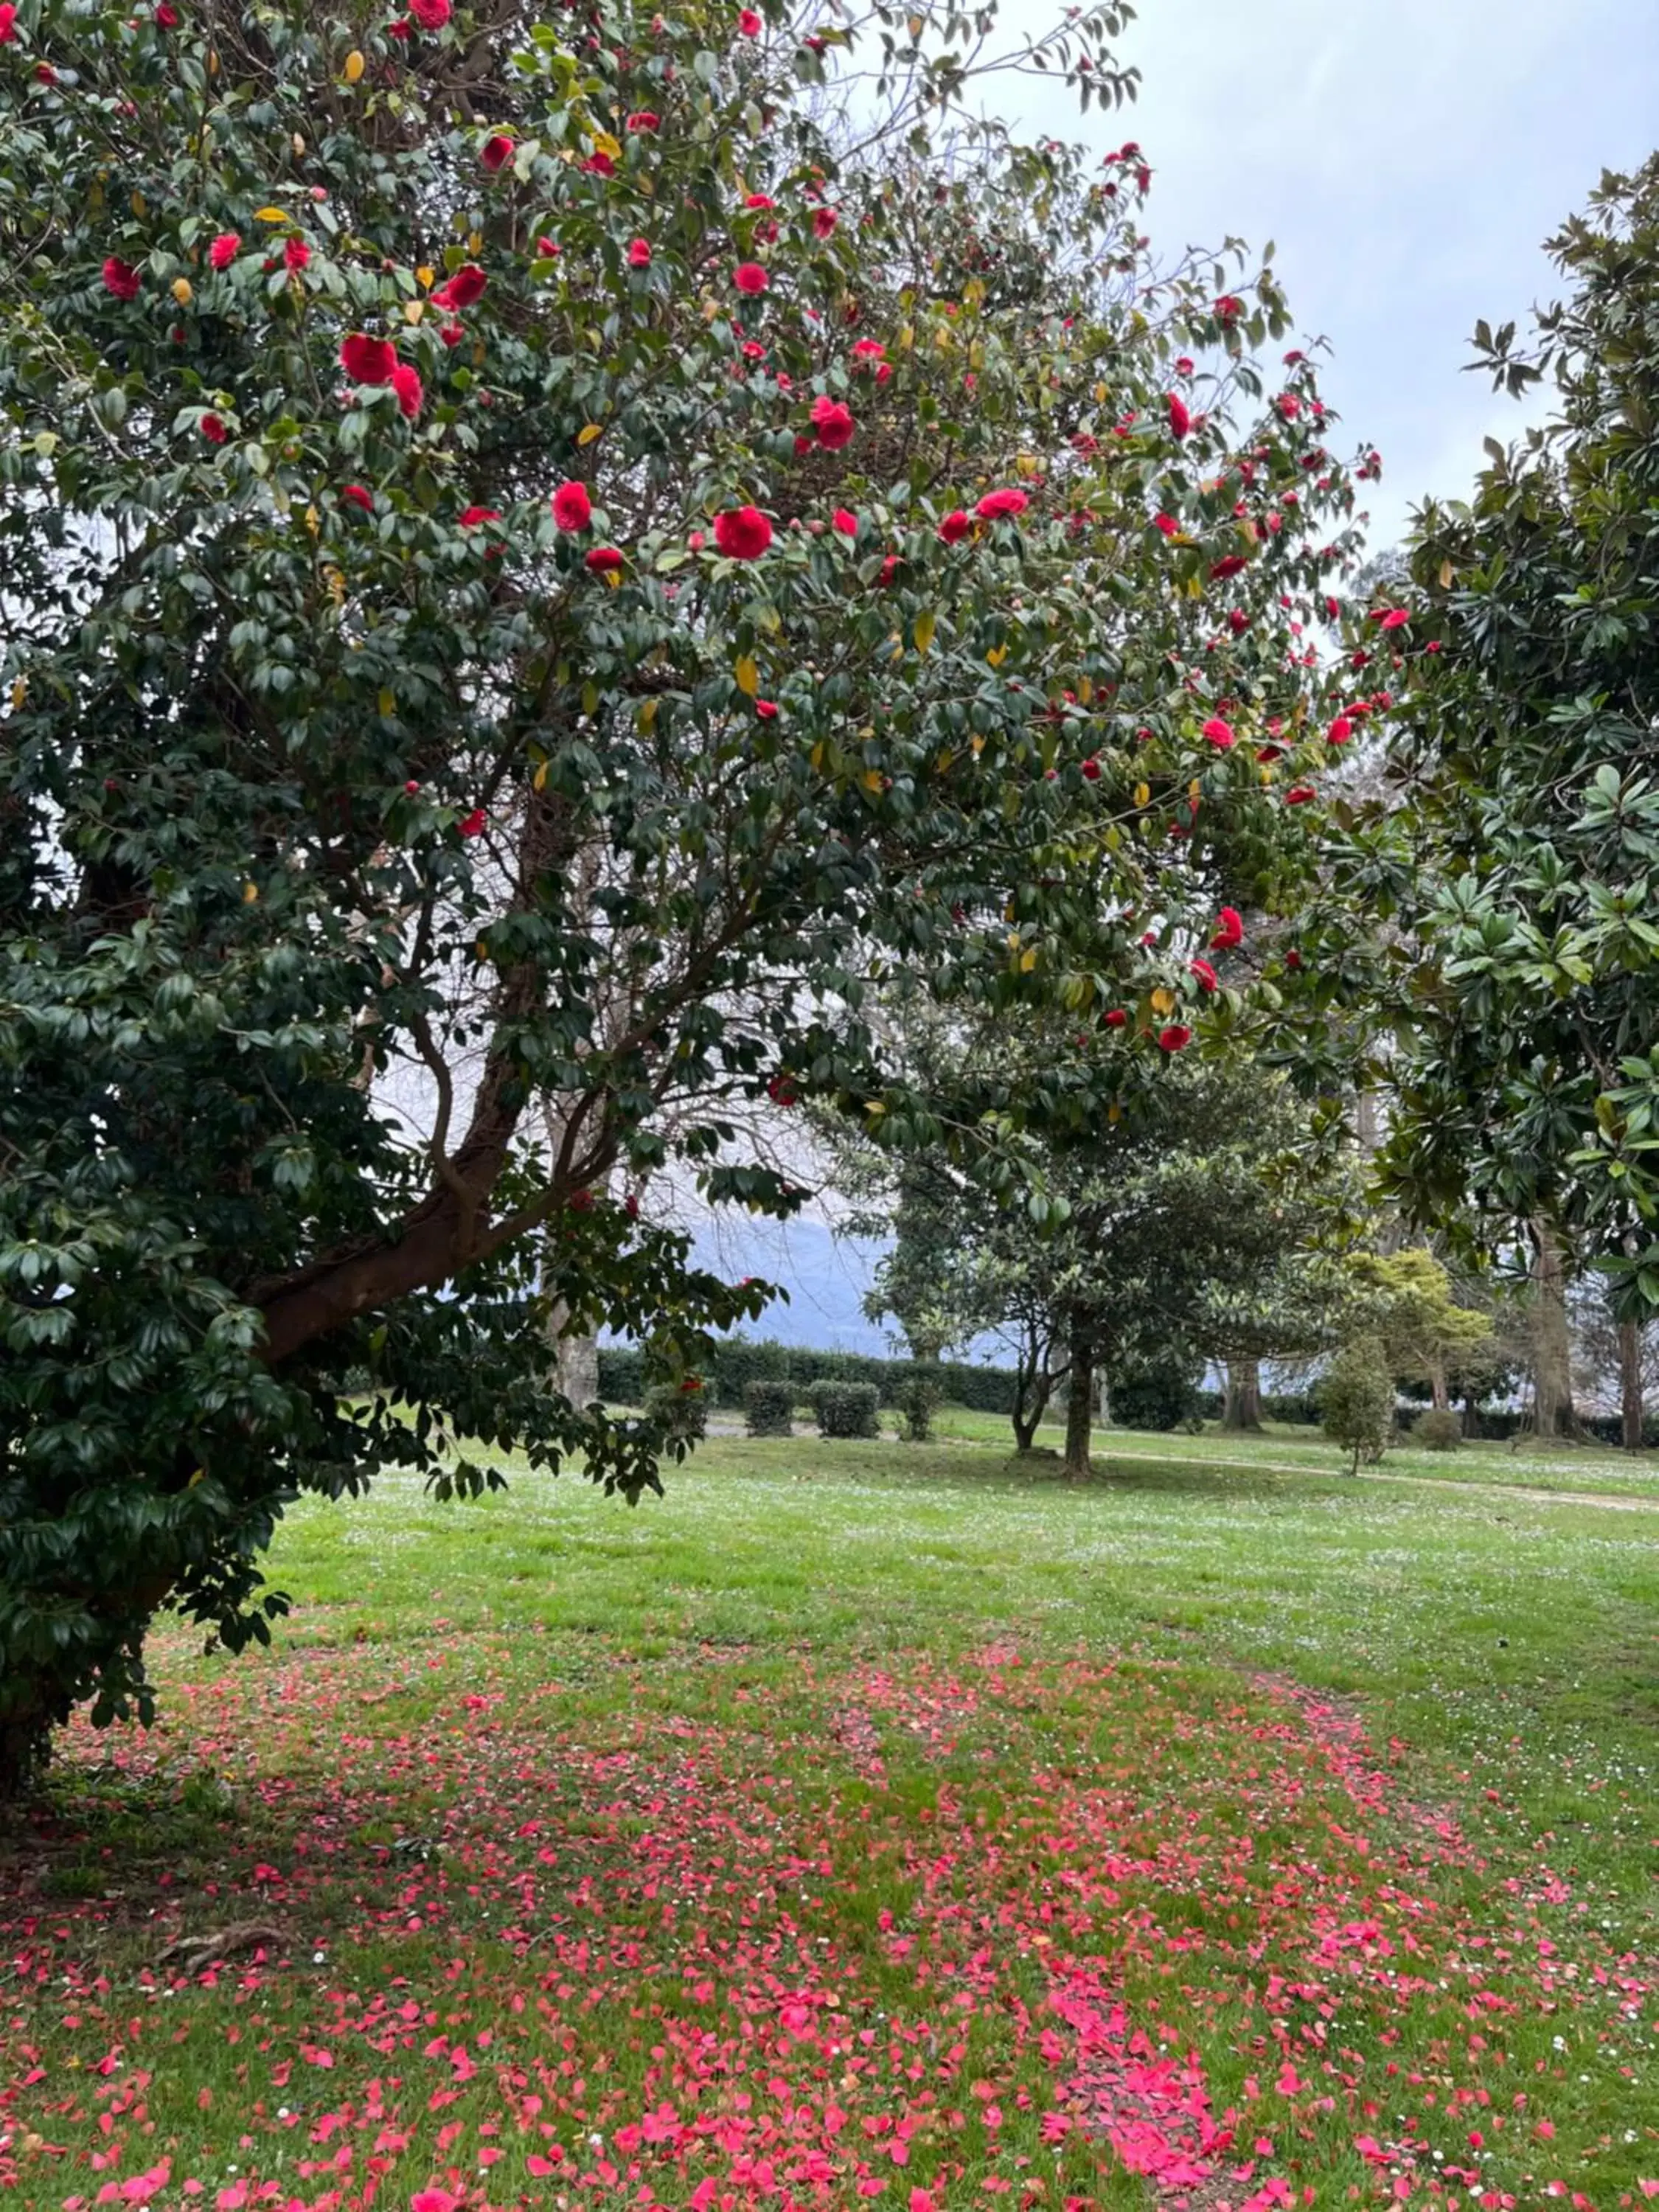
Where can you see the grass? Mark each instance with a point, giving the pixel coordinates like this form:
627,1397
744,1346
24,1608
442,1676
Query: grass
871,1816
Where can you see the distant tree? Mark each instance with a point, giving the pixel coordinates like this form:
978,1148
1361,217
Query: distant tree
1357,1401
1405,1299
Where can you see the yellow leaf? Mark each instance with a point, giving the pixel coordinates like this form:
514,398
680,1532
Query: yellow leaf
874,1106
250,894
646,718
588,432
1100,395
1164,1001
335,585
270,214
140,205
298,145
1143,794
605,143
353,66
817,757
907,337
925,621
997,655
1193,788
313,521
426,276
413,310
20,690
182,292
387,701
1028,960
1085,689
944,762
978,744
200,1475
1194,588
873,779
747,675
213,61
973,293
1026,465
1113,1112
1445,575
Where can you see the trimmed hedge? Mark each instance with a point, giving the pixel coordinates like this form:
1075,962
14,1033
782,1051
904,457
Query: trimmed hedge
770,1407
684,1412
846,1409
740,1360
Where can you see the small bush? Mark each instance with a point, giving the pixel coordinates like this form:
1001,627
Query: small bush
682,1411
770,1407
1158,1394
918,1399
1356,1399
1438,1429
847,1409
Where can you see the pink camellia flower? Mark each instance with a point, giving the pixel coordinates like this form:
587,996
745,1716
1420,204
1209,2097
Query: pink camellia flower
497,151
430,14
213,429
1185,366
824,222
1115,1018
367,361
845,521
434,2200
1229,930
833,421
1167,524
1340,732
463,289
1176,1038
639,254
767,709
1299,795
868,350
547,248
1009,500
121,279
1181,421
643,120
224,249
749,23
749,277
606,560
758,200
1219,733
1207,978
8,23
1229,565
1396,618
954,527
405,382
572,507
696,541
471,516
295,254
742,533
358,496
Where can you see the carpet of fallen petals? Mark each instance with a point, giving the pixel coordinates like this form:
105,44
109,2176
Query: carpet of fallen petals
512,1925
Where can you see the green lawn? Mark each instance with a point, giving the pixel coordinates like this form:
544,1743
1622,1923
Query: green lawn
870,1820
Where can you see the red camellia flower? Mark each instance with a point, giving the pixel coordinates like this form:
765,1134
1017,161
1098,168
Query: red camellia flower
1091,770
742,533
470,516
604,560
1293,958
781,1090
1181,421
1396,618
405,382
758,200
824,222
600,165
1009,500
296,254
749,23
1207,978
120,278
1341,731
833,421
497,151
1229,565
1116,1019
1229,930
954,527
8,23
1299,795
890,568
358,496
767,709
845,521
1175,1038
547,248
639,254
471,825
452,334
1219,733
572,507
213,429
1167,524
430,14
463,289
367,361
749,277
223,250
643,119
166,18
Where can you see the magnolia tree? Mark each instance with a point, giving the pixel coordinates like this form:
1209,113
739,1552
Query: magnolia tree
541,555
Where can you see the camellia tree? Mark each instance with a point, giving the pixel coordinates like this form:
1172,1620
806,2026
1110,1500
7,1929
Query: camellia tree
542,553
1524,744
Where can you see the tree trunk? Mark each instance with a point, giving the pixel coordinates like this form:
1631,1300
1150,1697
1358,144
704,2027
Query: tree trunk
1437,1385
1471,1413
1241,1405
1553,1415
1079,1405
1630,1384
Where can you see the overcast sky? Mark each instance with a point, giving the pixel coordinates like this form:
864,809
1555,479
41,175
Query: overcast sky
1408,158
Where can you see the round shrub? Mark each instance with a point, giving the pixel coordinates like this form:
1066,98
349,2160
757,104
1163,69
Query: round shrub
918,1399
1356,1396
770,1407
1438,1429
682,1408
847,1409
